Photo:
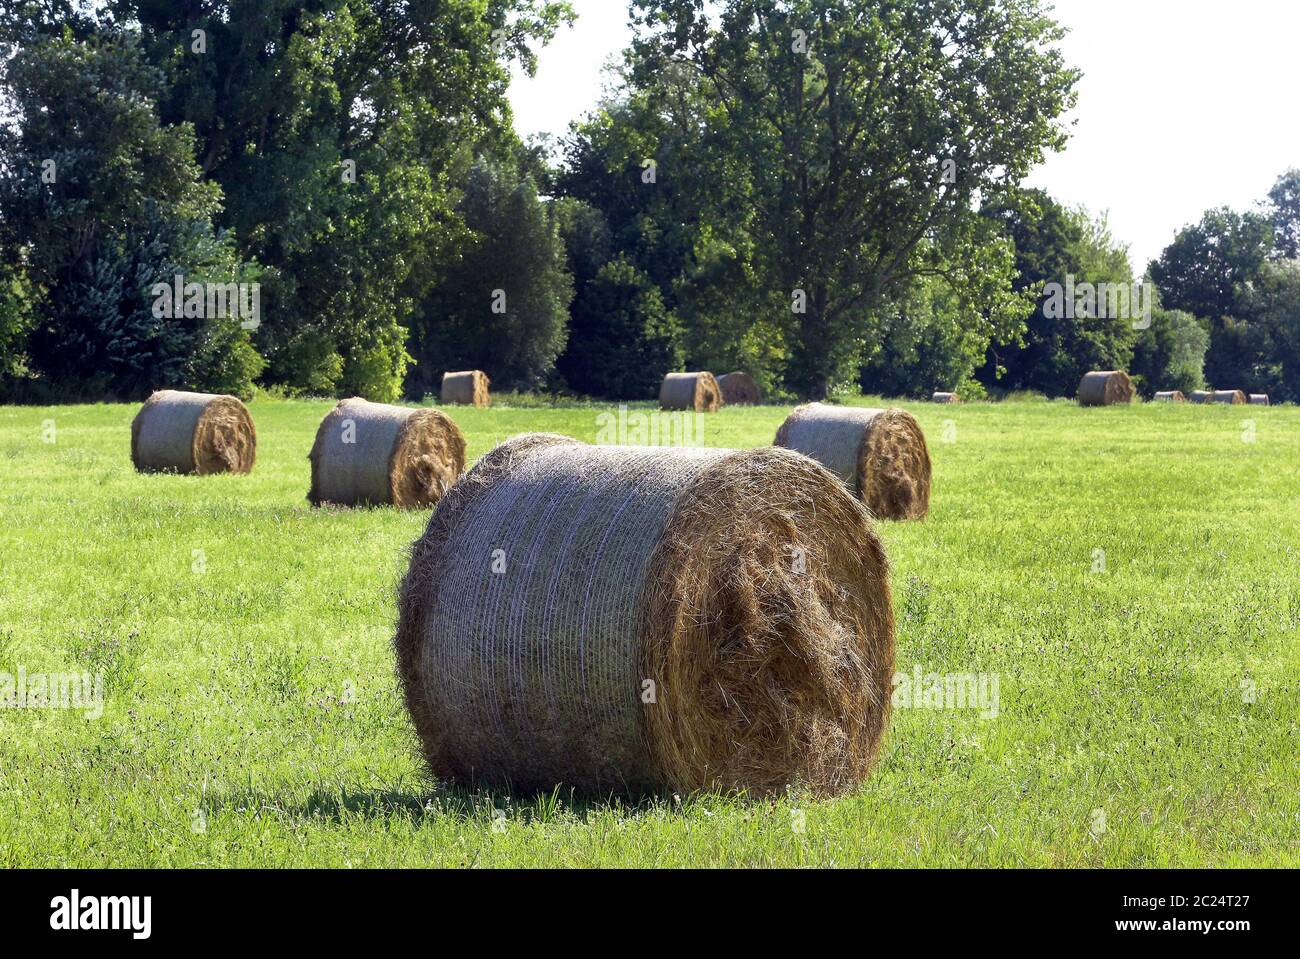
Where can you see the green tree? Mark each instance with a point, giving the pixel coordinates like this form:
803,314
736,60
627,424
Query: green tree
15,321
340,131
100,201
1170,354
851,134
502,304
1284,201
1203,272
926,344
644,162
1057,249
622,340
1274,299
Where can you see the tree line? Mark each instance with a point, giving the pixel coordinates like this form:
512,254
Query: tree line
827,194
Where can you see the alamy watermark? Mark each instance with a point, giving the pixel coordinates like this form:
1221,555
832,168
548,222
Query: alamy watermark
1109,301
178,299
75,912
626,428
923,690
79,691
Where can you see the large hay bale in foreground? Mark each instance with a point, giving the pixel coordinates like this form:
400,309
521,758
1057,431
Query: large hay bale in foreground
1259,399
199,433
690,391
469,388
617,618
950,398
1201,396
1230,397
370,454
1105,388
739,389
879,454
1170,396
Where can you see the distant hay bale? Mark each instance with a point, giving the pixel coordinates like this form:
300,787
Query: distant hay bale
945,398
1201,396
1230,397
199,433
879,454
469,388
369,454
690,391
1170,396
1259,399
631,619
739,389
1108,388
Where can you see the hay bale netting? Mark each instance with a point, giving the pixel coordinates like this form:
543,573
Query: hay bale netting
197,433
1259,399
469,388
630,619
1230,397
1201,396
369,454
949,398
690,391
739,389
1170,396
1109,388
879,454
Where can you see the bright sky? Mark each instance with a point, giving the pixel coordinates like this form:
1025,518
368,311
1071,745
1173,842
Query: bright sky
1184,104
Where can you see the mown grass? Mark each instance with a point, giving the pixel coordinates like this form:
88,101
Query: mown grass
1149,713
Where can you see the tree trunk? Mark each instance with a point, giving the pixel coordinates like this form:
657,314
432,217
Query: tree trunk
812,360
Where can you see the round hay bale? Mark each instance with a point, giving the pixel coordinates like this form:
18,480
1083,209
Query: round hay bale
690,391
469,388
1259,399
1201,396
879,454
630,619
1230,397
1109,388
198,433
950,398
739,389
1170,396
370,454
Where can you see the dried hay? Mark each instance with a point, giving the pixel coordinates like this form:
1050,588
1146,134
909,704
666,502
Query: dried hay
1170,396
739,389
1110,388
1230,397
879,454
950,398
690,391
198,433
370,454
469,388
629,619
1259,399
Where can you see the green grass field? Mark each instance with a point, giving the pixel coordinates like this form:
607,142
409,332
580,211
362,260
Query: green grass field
1149,698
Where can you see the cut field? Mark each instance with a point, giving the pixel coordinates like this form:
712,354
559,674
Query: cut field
1129,577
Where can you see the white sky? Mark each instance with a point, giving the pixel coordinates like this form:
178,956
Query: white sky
1184,104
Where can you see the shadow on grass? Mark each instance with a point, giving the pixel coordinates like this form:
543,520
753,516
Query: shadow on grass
457,802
